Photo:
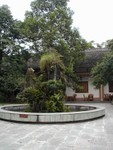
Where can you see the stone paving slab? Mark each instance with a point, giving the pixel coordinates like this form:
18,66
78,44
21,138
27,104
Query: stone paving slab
91,135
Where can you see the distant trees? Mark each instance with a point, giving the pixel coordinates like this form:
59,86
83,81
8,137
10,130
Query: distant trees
109,44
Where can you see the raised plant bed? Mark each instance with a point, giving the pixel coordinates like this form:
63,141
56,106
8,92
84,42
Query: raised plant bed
16,113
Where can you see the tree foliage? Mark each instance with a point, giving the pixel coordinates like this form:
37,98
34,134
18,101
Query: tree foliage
49,25
109,44
45,96
48,91
102,73
6,22
13,54
51,63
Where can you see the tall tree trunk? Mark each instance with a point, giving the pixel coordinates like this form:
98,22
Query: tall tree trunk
48,73
1,55
55,73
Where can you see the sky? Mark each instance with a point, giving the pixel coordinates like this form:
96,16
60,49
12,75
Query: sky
93,18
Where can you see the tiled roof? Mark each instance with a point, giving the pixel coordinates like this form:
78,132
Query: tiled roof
92,57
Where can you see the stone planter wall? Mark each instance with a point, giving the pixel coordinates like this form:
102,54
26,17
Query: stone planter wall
6,113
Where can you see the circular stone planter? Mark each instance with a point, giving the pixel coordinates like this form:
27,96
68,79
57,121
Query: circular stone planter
14,113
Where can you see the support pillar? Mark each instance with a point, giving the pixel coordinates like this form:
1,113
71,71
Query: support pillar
102,92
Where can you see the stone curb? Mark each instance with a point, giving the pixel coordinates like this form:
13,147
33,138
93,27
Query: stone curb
63,117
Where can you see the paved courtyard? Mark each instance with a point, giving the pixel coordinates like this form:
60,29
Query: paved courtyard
91,135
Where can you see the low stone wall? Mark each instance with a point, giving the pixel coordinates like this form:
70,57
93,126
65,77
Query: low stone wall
7,114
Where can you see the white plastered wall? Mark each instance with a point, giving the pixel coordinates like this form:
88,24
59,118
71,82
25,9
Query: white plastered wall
91,90
69,91
106,89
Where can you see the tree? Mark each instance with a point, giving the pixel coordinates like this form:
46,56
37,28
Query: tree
12,76
52,61
47,93
109,44
48,22
13,55
49,25
29,77
11,38
6,22
102,73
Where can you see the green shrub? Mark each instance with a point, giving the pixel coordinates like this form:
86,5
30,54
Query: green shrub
45,97
52,87
2,97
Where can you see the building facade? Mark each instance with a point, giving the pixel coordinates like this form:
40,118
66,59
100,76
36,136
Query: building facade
88,90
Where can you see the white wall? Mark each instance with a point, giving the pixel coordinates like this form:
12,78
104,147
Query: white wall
91,90
69,91
106,90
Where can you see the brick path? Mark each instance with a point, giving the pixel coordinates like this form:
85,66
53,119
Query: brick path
91,135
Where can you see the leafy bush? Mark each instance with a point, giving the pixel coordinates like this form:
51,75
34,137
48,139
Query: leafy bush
2,97
45,97
52,87
55,103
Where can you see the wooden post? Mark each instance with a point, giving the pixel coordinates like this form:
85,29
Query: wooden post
101,92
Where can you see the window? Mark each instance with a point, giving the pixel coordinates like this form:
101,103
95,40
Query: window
111,86
84,87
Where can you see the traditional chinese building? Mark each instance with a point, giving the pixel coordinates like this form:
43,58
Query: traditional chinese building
88,90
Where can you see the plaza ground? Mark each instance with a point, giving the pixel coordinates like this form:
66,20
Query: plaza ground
90,135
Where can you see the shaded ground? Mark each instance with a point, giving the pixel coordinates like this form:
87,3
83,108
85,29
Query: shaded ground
91,135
